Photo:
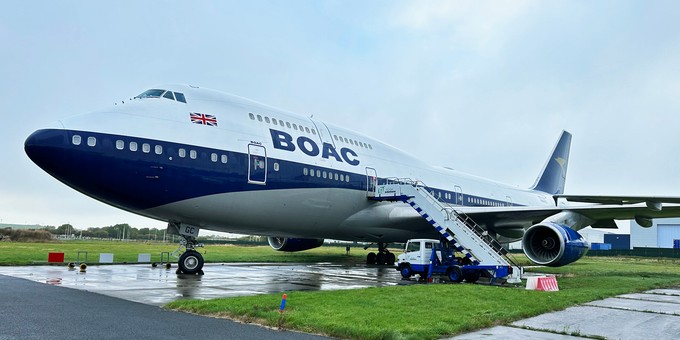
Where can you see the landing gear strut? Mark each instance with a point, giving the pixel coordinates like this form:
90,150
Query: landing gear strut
191,261
383,257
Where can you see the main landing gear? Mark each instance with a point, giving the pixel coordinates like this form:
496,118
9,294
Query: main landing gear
191,261
383,257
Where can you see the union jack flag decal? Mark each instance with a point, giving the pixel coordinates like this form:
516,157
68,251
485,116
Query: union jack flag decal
203,119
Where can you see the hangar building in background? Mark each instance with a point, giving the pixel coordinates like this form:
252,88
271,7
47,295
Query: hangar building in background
664,233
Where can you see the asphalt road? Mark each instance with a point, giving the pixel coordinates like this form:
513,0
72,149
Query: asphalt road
32,310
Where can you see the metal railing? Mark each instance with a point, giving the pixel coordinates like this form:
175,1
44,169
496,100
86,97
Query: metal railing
452,214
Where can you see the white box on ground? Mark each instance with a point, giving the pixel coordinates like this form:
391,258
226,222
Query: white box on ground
105,258
144,258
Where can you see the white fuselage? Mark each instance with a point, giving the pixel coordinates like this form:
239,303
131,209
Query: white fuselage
260,170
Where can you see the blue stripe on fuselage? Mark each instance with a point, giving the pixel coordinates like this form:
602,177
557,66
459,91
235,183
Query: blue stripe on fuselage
135,180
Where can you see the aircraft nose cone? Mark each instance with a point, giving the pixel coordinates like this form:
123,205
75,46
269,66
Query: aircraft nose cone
46,148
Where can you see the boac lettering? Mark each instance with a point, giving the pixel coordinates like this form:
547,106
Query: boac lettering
284,141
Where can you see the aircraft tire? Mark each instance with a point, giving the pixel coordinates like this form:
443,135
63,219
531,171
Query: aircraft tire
390,259
371,258
380,259
191,262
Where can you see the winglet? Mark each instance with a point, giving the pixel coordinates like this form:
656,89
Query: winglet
554,174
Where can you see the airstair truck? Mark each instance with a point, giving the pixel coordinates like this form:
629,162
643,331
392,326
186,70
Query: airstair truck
428,257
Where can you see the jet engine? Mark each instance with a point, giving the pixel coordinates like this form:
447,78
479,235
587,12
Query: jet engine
553,244
293,244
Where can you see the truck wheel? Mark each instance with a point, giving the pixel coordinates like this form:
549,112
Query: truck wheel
471,276
406,271
455,275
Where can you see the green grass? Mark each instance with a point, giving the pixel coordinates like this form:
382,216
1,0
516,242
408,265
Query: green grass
436,310
16,253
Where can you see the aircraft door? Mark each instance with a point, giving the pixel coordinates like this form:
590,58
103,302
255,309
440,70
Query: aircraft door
458,191
324,133
257,164
371,181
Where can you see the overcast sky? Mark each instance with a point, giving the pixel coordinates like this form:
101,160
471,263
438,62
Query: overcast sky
484,87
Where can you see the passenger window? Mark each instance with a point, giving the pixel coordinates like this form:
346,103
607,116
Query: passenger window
307,129
370,147
76,140
252,116
335,136
182,153
91,141
168,95
192,154
276,166
213,157
120,145
324,174
318,173
146,148
346,141
158,149
342,178
313,132
275,122
288,125
224,159
180,97
336,177
280,122
347,178
305,171
133,146
266,119
259,118
294,127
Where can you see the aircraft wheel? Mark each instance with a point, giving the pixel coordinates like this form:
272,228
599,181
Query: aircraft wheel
371,258
191,262
390,259
472,276
455,275
380,260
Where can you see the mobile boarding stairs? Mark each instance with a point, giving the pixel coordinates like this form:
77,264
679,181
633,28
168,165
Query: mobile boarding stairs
469,238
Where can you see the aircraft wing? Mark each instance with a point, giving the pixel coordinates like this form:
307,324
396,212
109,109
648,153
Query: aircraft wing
619,199
604,215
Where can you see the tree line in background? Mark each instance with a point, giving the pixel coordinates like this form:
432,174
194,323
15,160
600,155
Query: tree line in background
118,231
121,231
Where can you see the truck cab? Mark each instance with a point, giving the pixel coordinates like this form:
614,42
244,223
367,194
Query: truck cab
416,256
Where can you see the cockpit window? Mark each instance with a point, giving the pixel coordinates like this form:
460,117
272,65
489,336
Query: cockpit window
157,93
180,97
153,93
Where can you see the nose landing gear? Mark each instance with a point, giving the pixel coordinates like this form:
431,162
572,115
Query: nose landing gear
191,261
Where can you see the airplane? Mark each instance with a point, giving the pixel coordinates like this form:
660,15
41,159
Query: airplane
198,158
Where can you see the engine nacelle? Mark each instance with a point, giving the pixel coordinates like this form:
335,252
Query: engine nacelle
553,244
293,244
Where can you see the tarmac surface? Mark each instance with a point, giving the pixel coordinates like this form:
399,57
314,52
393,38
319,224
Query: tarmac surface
32,310
159,286
127,299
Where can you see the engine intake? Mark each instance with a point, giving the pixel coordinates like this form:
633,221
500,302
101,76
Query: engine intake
293,244
553,244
